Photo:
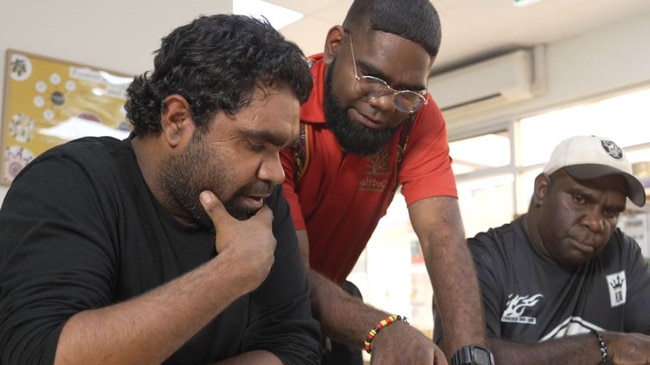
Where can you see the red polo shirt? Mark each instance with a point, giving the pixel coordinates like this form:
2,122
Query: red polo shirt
339,198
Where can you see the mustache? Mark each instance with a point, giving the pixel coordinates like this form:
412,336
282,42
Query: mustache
260,188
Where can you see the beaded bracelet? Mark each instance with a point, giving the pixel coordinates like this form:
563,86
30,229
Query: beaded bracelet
603,348
383,323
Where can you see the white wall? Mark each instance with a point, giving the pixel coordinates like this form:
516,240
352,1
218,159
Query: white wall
609,59
121,35
117,35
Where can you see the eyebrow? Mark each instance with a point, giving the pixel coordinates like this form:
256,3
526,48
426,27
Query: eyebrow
590,198
264,135
373,71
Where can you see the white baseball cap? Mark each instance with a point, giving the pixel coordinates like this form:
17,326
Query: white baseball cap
588,157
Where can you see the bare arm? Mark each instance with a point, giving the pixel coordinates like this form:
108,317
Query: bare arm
623,349
438,225
332,306
348,320
574,350
149,328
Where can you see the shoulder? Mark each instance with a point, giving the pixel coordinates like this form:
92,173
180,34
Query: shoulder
502,236
501,244
430,115
428,129
82,164
312,110
623,246
86,150
623,240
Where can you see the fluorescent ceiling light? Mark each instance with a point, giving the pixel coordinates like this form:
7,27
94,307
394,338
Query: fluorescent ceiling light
522,3
278,16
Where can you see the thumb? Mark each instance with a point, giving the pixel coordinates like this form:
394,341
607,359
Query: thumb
214,207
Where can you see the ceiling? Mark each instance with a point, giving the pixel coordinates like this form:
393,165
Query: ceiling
473,30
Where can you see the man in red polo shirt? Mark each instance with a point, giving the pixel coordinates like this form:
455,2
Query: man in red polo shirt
369,127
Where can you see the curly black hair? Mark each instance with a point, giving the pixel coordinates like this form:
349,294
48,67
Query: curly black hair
216,62
416,20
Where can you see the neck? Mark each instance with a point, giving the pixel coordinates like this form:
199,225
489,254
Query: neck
149,158
529,221
146,159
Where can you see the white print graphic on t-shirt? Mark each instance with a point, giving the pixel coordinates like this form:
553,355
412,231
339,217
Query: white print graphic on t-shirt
617,288
516,306
569,327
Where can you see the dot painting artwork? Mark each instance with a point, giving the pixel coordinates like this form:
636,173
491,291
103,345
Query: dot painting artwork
49,102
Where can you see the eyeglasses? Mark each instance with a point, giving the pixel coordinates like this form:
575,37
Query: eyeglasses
406,101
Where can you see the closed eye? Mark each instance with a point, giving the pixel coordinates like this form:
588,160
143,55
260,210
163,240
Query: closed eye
254,146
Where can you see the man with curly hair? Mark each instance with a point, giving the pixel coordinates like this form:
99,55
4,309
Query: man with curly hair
175,245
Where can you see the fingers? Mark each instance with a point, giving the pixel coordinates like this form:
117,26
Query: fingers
440,358
218,213
249,243
212,205
256,229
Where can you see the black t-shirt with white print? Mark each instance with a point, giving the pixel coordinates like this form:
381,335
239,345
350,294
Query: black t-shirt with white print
529,297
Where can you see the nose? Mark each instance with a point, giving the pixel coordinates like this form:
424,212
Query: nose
271,170
594,220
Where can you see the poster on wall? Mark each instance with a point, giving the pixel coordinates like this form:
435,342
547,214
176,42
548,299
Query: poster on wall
48,102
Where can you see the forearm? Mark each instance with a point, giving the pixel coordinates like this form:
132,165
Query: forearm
343,317
453,278
149,328
571,350
348,320
439,227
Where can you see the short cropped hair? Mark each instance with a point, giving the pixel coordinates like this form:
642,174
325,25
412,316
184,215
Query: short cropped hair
216,62
416,20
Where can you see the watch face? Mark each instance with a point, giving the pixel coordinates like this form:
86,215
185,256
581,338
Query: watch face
472,355
481,356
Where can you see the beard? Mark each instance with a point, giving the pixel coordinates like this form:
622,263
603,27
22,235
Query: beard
353,136
185,176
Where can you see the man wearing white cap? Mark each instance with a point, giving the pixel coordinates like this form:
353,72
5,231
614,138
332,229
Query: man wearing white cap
561,284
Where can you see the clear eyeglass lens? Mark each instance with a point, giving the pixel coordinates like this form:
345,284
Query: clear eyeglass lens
408,101
371,87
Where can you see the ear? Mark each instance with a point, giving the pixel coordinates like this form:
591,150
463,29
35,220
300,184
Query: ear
175,120
333,43
542,187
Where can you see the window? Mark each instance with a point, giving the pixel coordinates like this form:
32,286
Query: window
484,181
495,173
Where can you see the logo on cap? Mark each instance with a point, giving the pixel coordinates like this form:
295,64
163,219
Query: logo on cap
611,148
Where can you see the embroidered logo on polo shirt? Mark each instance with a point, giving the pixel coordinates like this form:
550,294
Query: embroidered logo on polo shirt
617,286
376,171
514,312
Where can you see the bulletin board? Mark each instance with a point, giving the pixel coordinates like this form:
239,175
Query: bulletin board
48,102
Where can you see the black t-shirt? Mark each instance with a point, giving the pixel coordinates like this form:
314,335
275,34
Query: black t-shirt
529,297
79,229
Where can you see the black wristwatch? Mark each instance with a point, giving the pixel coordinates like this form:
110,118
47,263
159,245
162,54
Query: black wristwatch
473,355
